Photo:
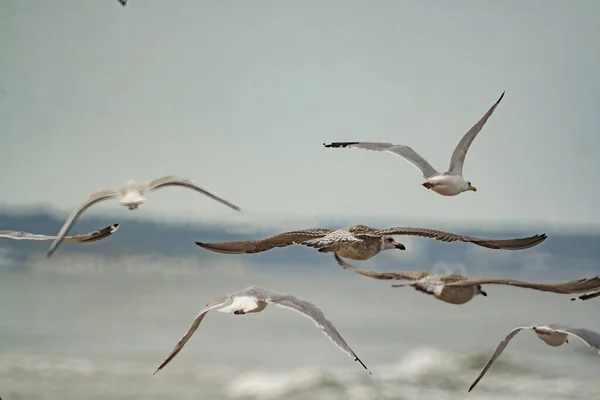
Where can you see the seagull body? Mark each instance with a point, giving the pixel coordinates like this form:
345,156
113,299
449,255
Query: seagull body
84,238
255,299
552,334
131,195
449,183
360,242
458,289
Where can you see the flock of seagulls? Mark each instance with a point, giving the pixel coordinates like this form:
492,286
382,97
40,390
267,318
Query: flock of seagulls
358,242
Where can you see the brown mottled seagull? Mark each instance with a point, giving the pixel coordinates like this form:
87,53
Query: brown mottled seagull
552,334
360,242
449,183
83,238
458,289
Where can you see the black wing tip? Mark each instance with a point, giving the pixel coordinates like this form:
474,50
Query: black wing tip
362,363
339,144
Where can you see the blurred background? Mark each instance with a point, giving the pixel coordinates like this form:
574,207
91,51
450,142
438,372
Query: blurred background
239,97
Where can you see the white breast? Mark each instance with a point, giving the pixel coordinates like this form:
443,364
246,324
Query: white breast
245,303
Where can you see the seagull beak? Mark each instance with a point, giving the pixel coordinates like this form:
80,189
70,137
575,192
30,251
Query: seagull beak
400,246
473,188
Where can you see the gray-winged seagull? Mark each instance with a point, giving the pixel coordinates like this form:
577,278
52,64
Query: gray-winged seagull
132,196
254,299
449,183
552,334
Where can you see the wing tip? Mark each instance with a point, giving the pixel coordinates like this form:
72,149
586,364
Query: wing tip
335,145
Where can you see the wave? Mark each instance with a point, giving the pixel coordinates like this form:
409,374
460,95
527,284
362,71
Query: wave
423,373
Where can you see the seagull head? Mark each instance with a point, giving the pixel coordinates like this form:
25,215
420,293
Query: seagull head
468,187
390,243
480,291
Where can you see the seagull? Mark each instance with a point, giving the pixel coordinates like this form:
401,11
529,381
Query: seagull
84,238
552,334
449,183
360,242
255,299
458,289
131,196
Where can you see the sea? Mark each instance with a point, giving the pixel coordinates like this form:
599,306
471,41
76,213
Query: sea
78,328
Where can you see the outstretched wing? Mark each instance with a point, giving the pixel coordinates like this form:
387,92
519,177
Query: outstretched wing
503,244
86,237
400,150
400,275
216,303
586,296
313,312
93,199
577,286
176,181
257,246
460,152
589,337
497,353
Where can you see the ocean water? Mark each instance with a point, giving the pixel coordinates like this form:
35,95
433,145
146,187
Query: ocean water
97,329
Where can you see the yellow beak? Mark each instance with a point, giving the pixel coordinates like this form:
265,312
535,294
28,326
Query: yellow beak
473,188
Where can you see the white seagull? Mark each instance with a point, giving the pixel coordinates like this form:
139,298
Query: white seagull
131,196
449,183
254,299
552,334
83,238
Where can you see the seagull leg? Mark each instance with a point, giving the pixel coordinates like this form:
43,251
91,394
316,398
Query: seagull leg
239,312
429,185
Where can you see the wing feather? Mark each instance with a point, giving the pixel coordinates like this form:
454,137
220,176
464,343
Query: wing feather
258,246
497,353
500,244
460,152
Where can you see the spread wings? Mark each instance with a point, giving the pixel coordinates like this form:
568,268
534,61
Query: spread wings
400,275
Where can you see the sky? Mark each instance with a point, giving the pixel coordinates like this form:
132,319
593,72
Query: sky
239,97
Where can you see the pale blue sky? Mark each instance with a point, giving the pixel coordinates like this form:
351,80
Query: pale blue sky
239,96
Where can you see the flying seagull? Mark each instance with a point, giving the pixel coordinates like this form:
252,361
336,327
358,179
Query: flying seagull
254,299
552,334
458,289
131,196
84,238
449,183
360,242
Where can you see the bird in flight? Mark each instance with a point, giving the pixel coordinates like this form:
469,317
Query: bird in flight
360,242
449,183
